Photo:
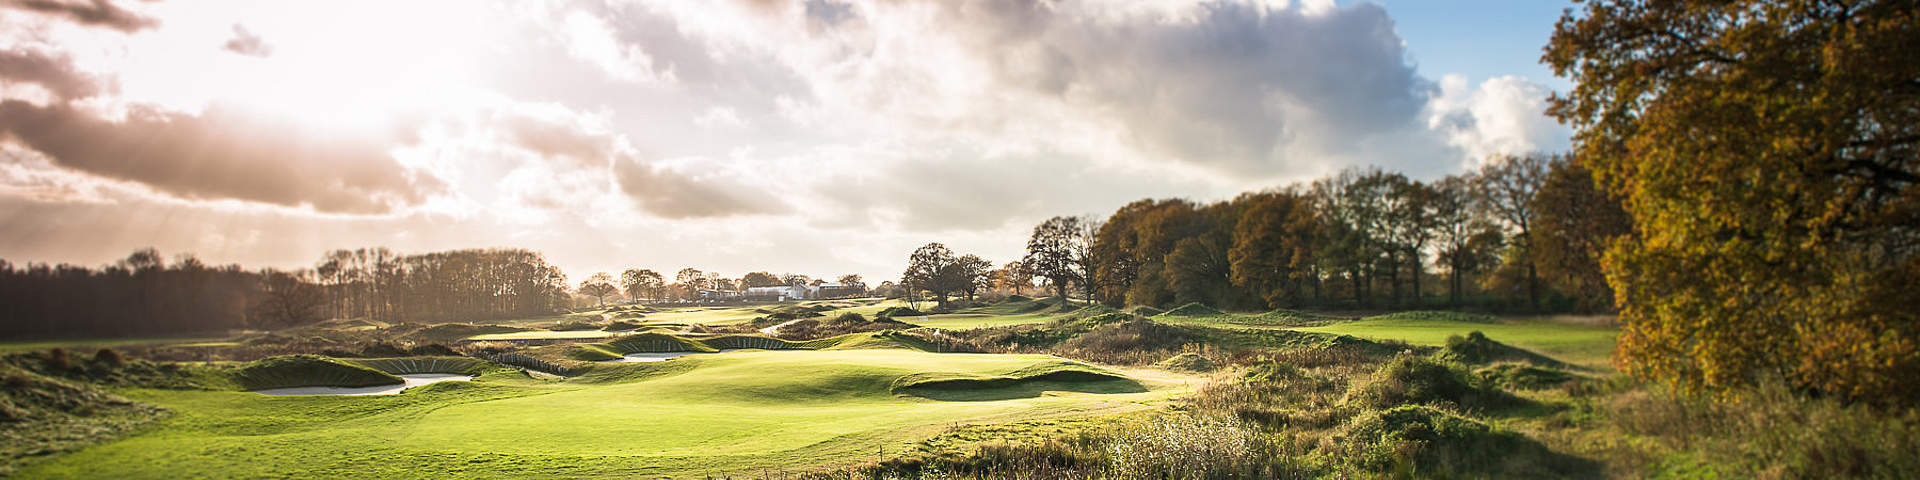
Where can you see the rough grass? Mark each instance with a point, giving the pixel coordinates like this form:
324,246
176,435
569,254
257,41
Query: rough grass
306,371
1584,345
41,416
1193,310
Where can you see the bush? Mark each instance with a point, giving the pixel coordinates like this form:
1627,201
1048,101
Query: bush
1476,348
106,356
57,359
1187,362
1420,381
1412,438
1520,376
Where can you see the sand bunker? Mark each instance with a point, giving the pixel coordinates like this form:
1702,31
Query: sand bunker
411,380
663,356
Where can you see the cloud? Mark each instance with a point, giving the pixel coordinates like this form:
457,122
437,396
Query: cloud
709,191
222,154
245,42
98,13
55,73
1504,115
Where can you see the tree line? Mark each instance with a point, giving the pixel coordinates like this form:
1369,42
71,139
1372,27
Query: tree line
1523,232
641,284
144,294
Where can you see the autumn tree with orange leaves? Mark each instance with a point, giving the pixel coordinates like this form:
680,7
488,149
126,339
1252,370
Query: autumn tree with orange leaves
1765,151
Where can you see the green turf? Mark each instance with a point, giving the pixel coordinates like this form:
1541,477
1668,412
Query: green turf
961,321
739,414
1585,345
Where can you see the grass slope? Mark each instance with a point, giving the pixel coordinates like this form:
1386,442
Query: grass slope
1585,345
734,414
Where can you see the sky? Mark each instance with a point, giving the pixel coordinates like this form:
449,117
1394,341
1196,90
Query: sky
819,137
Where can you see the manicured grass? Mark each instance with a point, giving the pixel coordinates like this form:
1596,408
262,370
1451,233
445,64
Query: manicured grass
1586,345
960,321
737,414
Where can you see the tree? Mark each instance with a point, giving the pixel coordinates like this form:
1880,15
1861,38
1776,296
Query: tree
641,283
852,280
1575,221
971,273
1765,152
1349,215
1273,242
1060,251
930,268
1505,188
599,286
1016,276
287,299
791,279
1456,226
761,279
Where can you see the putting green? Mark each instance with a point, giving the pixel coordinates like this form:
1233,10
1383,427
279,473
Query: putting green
740,413
1587,345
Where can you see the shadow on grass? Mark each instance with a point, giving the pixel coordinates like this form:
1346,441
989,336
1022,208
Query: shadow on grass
1022,389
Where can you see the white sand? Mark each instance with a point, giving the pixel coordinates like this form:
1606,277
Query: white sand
409,381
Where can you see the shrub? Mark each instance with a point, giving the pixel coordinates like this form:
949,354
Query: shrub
1187,362
1510,375
1425,439
106,356
1420,381
57,359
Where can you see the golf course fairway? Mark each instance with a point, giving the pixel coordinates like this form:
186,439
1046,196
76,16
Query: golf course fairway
740,413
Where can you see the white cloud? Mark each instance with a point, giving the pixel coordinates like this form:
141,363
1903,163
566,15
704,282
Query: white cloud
1504,115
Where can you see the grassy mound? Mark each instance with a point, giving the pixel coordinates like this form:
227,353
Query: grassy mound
891,312
881,340
1410,380
1412,438
1052,371
1146,311
307,371
1476,348
41,416
1435,316
1187,362
1193,310
1524,377
405,366
447,332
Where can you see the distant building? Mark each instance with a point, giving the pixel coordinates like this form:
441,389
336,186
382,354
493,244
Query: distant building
779,294
719,295
839,290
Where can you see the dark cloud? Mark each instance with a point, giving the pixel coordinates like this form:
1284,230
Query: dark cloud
668,193
56,74
245,42
222,154
98,13
1228,84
